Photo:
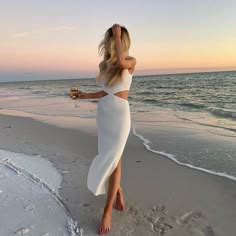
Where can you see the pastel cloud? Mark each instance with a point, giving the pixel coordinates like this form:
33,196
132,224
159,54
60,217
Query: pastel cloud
61,28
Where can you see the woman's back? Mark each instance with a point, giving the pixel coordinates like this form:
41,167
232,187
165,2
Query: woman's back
121,85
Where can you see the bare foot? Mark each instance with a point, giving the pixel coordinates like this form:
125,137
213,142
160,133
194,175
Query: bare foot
105,225
120,205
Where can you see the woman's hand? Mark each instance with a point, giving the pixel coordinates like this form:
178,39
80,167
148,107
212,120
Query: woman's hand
78,94
74,93
116,30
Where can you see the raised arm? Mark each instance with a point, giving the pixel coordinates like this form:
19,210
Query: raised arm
120,55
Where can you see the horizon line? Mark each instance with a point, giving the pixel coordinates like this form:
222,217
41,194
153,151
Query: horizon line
147,75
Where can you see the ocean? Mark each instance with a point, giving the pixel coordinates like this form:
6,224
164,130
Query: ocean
189,118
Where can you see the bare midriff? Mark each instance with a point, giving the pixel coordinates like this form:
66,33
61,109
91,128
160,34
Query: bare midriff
122,94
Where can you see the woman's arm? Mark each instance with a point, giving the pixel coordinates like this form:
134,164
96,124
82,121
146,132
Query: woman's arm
82,95
120,56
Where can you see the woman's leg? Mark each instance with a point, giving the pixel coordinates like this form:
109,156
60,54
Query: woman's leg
113,187
120,205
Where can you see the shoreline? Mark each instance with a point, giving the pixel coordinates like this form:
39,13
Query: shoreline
184,200
172,158
88,125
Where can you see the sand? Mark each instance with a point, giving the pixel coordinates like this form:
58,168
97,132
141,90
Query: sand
161,197
29,200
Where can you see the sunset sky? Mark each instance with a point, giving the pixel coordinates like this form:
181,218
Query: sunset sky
59,39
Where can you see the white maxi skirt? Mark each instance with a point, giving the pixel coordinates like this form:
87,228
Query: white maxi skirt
113,126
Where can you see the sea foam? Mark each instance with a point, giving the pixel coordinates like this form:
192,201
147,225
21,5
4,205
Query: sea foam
147,142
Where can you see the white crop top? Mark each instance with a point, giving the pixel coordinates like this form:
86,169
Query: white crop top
121,85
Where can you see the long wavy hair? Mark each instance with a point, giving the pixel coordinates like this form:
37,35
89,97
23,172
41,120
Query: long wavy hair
107,67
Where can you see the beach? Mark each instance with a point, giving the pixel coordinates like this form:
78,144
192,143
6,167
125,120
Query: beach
161,196
169,115
178,167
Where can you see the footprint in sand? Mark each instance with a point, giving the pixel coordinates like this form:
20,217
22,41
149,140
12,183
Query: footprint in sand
190,216
196,223
155,213
136,213
22,231
192,223
156,217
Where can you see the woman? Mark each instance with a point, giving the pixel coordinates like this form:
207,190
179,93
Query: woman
113,119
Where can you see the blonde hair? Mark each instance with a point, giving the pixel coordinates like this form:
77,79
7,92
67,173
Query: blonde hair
107,48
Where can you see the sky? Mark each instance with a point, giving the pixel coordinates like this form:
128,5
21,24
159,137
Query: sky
59,39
